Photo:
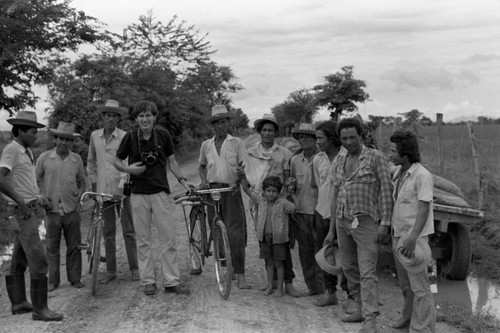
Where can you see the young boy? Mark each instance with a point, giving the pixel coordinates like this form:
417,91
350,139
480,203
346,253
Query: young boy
272,228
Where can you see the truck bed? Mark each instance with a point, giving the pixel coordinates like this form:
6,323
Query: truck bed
446,213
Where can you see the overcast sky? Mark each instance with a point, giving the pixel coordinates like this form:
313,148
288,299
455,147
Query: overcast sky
434,56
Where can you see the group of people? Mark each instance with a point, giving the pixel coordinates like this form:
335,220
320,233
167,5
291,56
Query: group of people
333,190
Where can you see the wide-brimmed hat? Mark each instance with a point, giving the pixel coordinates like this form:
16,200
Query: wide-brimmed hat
65,130
328,258
304,128
421,259
266,118
25,118
220,112
112,106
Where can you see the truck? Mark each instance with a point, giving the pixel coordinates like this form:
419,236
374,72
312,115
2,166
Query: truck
450,243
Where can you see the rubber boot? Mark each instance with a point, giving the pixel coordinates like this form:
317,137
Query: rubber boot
39,299
355,317
16,288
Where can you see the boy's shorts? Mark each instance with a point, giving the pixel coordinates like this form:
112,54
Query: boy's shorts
268,250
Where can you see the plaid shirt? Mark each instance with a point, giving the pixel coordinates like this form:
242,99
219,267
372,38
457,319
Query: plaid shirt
368,191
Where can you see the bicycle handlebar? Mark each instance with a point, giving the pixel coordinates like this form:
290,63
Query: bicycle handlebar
187,196
99,196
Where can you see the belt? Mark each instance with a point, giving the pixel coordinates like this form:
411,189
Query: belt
31,204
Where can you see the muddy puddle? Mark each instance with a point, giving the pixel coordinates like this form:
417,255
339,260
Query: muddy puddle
479,295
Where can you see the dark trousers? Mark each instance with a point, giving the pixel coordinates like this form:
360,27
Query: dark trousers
233,215
108,214
310,269
28,248
321,230
69,225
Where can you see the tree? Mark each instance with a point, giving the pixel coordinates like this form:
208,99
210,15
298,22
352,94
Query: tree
341,92
31,32
300,106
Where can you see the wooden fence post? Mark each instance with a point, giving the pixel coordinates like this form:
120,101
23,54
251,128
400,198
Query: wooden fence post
477,170
439,122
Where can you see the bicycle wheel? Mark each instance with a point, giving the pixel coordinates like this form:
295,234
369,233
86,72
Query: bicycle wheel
96,255
198,237
222,259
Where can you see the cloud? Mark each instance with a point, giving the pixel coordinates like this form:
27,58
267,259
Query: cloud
479,58
429,78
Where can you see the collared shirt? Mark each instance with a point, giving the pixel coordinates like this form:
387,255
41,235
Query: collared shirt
154,179
222,169
307,195
368,190
415,185
59,179
22,176
261,163
322,174
100,159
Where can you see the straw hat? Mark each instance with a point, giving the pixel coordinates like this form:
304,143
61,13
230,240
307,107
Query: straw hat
220,112
25,118
112,106
421,259
328,258
304,128
65,130
266,118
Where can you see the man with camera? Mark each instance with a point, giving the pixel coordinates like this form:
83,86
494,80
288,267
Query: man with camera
105,178
150,151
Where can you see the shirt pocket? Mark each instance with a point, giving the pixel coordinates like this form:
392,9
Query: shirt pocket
364,174
232,159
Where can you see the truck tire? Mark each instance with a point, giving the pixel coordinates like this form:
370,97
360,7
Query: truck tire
457,242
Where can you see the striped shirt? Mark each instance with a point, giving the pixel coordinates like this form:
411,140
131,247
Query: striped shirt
368,190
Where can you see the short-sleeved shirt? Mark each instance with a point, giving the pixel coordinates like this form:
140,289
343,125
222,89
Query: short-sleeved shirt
59,179
22,176
222,169
416,185
261,163
154,179
307,195
100,167
368,190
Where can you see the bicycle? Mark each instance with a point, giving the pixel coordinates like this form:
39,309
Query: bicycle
200,240
94,235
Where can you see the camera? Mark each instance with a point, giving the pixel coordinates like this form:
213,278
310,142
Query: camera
127,189
149,158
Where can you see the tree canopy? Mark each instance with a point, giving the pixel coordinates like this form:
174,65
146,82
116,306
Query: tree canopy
31,32
340,92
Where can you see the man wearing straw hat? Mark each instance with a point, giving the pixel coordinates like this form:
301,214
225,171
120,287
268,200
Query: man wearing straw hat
18,184
61,177
105,178
412,223
220,157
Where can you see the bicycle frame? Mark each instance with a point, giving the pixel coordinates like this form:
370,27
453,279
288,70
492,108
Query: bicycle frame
94,235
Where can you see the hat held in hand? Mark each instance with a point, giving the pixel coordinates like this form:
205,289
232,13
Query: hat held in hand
328,259
422,255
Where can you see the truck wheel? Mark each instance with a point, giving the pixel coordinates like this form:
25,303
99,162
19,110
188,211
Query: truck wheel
456,241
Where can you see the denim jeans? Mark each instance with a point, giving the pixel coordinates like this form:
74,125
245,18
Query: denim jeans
359,255
28,247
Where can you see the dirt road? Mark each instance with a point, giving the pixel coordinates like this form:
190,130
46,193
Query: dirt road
121,305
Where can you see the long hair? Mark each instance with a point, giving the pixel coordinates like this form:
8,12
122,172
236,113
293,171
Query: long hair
407,145
330,129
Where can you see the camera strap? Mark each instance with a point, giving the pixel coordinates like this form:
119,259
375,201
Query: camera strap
155,141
